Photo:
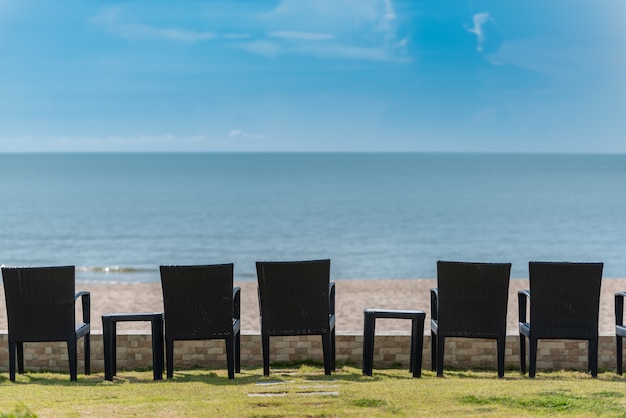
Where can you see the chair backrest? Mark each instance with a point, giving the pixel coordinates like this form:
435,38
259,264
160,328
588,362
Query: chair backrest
473,298
565,299
197,300
294,296
40,303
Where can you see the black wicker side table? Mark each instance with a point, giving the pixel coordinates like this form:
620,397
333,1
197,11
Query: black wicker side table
109,325
417,336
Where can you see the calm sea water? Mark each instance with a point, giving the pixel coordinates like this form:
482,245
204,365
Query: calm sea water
117,217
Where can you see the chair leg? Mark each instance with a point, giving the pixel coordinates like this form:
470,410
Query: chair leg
87,349
238,352
230,356
72,355
433,351
20,358
12,355
522,353
501,343
593,357
532,360
441,341
169,354
326,345
265,343
333,353
620,353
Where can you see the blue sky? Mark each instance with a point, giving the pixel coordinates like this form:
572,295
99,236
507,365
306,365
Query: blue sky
313,75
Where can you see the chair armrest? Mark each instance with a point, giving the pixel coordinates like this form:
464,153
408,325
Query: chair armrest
237,302
619,308
331,298
523,296
434,303
86,302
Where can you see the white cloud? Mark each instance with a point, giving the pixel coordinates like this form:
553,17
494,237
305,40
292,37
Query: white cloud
479,20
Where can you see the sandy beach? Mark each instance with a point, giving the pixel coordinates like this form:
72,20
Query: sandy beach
352,296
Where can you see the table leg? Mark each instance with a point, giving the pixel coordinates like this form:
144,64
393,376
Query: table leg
368,343
417,345
157,347
413,345
106,340
113,345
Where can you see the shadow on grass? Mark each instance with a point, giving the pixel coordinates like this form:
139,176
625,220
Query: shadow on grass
286,372
53,379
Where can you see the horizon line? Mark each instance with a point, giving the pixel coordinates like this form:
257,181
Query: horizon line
318,152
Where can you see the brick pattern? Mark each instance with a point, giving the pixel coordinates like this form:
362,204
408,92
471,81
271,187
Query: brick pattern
134,351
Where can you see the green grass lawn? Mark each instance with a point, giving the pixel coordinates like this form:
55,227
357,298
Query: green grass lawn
304,391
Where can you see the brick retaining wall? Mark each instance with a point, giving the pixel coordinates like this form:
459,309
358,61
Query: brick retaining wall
390,349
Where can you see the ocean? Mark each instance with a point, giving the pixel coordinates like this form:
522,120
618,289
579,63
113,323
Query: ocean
117,217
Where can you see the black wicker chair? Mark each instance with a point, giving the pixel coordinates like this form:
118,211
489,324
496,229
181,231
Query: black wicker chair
620,329
297,298
565,304
469,302
200,303
41,307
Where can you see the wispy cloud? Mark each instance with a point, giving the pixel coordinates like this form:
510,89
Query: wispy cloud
266,48
330,51
140,31
387,20
329,29
241,134
350,29
108,143
479,20
301,36
110,18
